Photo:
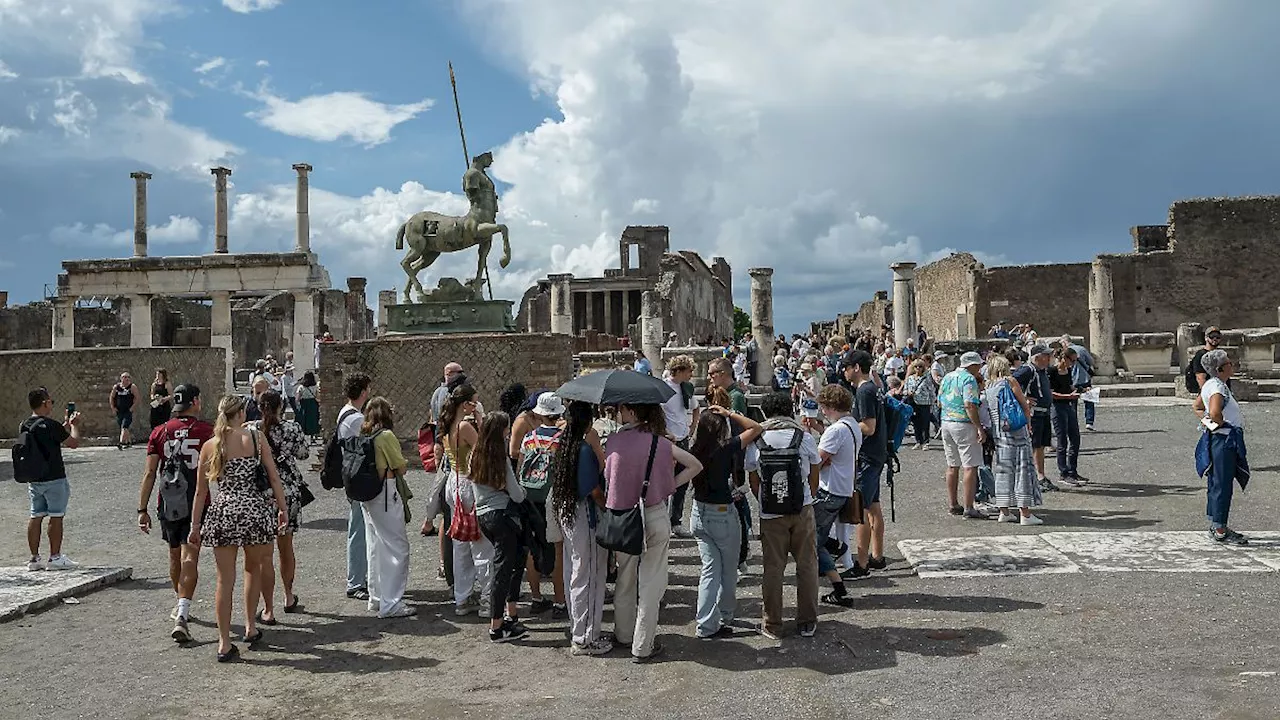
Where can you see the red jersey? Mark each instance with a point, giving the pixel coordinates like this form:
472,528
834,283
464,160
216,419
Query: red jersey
181,438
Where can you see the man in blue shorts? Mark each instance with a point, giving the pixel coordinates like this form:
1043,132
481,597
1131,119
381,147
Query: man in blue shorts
50,494
868,410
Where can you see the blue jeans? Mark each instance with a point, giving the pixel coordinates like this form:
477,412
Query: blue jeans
1221,480
1090,409
357,554
1068,434
49,498
826,509
719,531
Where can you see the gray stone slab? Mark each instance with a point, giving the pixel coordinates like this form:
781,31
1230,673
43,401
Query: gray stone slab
1170,552
979,556
22,591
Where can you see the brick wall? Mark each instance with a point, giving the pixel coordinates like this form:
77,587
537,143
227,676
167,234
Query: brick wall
406,369
85,376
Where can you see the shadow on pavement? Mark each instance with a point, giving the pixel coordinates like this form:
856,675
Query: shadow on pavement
334,524
945,603
1140,490
1094,519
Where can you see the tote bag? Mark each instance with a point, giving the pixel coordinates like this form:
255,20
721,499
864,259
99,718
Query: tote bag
623,530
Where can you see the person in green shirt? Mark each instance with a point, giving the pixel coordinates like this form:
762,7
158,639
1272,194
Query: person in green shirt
385,517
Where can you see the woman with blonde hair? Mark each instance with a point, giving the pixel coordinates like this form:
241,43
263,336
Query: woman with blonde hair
385,516
238,517
1012,462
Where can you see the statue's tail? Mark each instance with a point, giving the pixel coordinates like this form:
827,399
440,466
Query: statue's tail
400,236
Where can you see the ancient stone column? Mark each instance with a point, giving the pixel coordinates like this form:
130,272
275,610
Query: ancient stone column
303,243
220,175
140,212
651,335
762,323
64,323
904,302
140,321
561,304
385,298
304,331
607,326
220,333
1102,318
626,312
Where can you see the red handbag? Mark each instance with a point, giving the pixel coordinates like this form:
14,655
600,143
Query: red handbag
465,527
427,446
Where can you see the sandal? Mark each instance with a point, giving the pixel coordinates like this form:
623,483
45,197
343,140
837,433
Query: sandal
833,599
228,656
264,621
253,639
294,606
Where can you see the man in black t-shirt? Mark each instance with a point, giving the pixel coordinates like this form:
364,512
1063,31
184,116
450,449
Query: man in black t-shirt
868,410
1195,369
50,494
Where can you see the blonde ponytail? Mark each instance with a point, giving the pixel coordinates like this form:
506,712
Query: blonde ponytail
228,407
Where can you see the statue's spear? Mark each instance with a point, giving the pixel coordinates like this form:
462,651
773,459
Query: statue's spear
466,156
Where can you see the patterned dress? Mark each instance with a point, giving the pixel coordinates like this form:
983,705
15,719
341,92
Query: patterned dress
239,515
288,446
1013,463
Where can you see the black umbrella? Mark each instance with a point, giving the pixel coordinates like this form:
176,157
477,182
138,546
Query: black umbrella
617,387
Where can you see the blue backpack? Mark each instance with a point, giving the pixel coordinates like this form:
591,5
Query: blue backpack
897,415
1011,413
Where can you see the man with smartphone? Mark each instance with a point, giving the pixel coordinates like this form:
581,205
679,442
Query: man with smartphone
42,469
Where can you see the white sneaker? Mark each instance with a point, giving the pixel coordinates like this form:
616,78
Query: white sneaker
1031,520
399,611
62,562
593,649
35,564
1008,518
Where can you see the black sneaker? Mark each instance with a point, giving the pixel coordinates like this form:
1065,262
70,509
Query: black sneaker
957,510
1068,480
808,629
1046,485
537,606
877,563
857,572
559,611
510,629
358,593
1228,537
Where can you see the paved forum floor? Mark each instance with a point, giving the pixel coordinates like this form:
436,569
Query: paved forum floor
1114,608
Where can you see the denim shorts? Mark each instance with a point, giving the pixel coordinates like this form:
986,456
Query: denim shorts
869,472
49,498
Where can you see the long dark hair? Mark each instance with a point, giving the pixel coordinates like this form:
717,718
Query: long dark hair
512,400
309,379
452,406
270,404
712,434
564,468
489,463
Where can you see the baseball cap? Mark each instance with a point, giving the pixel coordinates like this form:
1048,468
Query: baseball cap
939,354
809,408
970,359
1213,330
549,405
1040,349
184,396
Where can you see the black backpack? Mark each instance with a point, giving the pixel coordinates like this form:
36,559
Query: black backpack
360,468
29,461
175,502
1193,382
331,470
781,479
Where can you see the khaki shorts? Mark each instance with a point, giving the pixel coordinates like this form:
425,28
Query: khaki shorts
960,443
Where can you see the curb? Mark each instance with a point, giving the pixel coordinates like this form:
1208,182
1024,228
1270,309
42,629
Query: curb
113,575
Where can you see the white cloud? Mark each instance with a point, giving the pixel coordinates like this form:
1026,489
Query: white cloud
6,72
211,64
262,64
178,230
326,118
248,6
73,112
8,133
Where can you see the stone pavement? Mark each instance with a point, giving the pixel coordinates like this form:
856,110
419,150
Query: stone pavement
1097,642
23,591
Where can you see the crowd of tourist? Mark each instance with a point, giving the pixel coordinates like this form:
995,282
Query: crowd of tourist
522,490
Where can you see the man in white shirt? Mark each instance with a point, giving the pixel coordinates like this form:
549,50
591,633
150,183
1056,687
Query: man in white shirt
350,418
838,450
787,534
681,411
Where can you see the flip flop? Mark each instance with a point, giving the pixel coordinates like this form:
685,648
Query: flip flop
295,606
264,621
253,639
228,656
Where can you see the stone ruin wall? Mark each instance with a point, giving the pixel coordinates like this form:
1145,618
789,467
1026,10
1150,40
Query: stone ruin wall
85,376
942,286
406,369
698,304
1054,298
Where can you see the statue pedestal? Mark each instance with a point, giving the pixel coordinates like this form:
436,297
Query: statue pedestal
451,316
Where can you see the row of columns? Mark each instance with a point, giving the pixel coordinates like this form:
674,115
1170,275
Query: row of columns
562,304
302,240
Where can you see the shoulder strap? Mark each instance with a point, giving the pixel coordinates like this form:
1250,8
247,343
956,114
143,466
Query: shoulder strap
648,469
256,452
346,414
797,438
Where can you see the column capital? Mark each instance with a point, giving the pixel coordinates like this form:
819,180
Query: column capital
220,171
560,277
760,272
902,266
302,168
140,175
304,294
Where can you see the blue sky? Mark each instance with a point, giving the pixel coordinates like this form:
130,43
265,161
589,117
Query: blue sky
824,140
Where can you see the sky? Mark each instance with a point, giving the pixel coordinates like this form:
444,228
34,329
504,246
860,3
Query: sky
825,140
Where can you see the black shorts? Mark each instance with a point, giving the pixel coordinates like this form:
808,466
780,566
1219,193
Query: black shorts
1041,430
124,418
175,533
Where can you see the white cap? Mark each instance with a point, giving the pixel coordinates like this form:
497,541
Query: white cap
549,405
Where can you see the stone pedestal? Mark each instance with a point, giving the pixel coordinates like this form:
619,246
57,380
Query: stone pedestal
904,302
762,323
651,336
1102,318
1189,335
385,298
220,175
140,212
1147,353
220,334
1257,357
140,321
451,317
561,304
64,323
304,332
303,241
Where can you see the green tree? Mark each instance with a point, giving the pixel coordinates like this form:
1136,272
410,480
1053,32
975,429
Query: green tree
741,322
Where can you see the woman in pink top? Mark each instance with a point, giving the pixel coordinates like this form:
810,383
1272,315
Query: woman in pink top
642,579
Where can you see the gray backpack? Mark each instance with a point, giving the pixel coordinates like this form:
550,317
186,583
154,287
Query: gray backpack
175,504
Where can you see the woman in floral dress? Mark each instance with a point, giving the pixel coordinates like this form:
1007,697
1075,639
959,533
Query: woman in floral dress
288,446
239,516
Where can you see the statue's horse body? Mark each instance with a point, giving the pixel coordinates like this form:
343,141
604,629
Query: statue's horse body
429,234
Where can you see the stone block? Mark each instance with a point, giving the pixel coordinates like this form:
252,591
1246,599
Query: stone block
1147,353
22,591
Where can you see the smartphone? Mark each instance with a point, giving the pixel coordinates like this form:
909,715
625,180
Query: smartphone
71,409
